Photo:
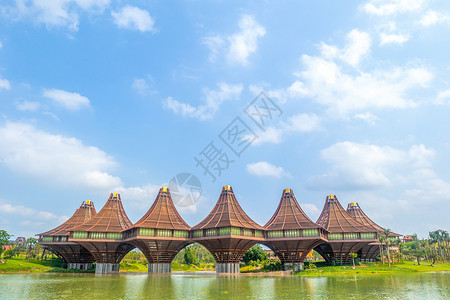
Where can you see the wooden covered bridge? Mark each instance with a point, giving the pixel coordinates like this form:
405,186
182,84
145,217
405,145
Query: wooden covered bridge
227,232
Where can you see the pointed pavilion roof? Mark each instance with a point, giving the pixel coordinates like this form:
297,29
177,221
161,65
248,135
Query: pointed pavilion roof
336,220
227,212
84,213
163,214
111,218
289,214
358,214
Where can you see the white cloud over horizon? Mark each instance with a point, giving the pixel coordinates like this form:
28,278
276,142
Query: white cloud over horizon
327,82
68,100
57,13
4,84
298,123
213,101
133,18
239,46
24,149
27,105
371,166
263,168
392,7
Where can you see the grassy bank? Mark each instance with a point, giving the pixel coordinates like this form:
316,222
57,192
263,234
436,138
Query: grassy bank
378,268
134,266
20,265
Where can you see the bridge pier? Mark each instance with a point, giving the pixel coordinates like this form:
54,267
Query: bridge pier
79,266
103,268
227,268
294,266
160,268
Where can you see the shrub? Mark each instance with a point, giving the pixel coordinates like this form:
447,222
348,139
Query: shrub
10,253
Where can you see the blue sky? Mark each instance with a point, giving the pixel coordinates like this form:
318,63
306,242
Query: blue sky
103,96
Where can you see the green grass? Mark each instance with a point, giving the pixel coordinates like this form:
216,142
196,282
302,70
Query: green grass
405,267
20,265
177,266
132,266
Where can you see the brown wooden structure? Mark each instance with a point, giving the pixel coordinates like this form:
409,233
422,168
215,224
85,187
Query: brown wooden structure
371,251
345,233
227,232
57,239
102,235
291,234
160,234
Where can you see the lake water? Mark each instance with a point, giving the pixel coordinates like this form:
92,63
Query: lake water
210,286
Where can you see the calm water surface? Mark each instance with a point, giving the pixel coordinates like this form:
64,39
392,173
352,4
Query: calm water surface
198,286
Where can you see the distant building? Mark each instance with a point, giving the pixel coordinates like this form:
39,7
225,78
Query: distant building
407,239
7,247
270,254
21,241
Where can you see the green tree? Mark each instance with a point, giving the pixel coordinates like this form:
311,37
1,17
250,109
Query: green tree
255,253
4,239
10,253
388,243
189,257
381,241
30,244
353,255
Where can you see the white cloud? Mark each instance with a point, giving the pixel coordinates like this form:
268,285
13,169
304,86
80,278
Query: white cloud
239,46
442,98
90,5
299,123
134,18
55,13
358,45
367,117
272,135
366,166
392,7
26,212
143,86
303,123
27,150
433,17
215,44
263,168
28,105
344,89
311,210
4,84
386,38
245,42
213,99
70,101
326,83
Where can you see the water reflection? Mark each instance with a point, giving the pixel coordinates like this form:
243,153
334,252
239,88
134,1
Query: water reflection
196,286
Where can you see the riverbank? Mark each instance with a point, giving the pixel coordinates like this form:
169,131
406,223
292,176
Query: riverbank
44,266
374,269
55,266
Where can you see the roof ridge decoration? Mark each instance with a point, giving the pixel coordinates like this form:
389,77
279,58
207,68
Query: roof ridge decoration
84,213
335,219
111,218
227,212
289,214
358,214
163,214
